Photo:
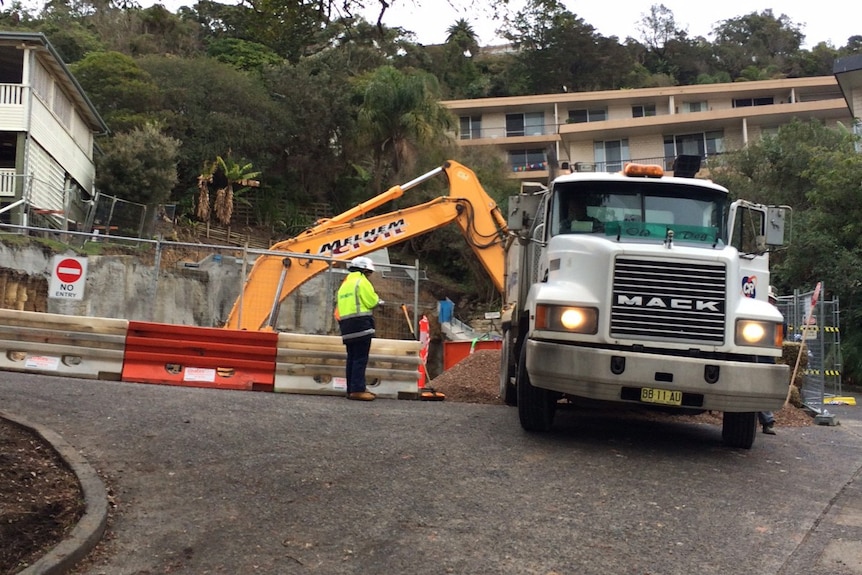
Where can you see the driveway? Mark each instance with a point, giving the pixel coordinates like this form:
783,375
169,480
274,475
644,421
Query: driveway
226,482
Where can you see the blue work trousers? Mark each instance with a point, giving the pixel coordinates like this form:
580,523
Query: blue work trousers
357,361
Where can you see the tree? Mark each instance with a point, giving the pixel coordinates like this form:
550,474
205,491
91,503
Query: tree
211,107
224,174
399,113
818,172
556,49
658,28
760,40
125,95
243,55
139,166
455,64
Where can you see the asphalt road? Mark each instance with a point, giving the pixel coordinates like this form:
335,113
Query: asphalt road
224,482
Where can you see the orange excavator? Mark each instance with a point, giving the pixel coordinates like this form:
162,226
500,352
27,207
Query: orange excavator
349,235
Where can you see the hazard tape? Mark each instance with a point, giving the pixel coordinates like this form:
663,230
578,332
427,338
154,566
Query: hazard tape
813,328
828,372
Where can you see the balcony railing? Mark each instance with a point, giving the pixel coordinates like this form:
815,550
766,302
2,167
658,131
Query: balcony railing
11,94
9,179
611,167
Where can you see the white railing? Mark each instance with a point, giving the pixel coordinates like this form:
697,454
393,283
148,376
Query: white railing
11,94
8,182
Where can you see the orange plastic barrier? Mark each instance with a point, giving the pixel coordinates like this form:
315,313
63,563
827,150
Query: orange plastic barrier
199,356
455,351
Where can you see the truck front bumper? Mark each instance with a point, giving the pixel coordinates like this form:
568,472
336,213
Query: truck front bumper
611,375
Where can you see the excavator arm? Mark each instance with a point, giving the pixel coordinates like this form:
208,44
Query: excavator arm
347,236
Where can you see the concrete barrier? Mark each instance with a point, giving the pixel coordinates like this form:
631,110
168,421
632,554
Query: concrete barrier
314,364
84,347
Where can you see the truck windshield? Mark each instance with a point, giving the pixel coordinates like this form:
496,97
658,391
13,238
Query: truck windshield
639,209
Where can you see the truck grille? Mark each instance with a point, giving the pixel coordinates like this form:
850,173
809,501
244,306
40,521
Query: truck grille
668,301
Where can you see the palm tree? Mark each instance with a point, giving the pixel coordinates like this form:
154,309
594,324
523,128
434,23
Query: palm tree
399,113
224,174
462,35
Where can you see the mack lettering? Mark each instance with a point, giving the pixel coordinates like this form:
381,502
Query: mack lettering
669,303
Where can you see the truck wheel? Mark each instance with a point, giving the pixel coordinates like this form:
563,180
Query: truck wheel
536,406
508,392
739,429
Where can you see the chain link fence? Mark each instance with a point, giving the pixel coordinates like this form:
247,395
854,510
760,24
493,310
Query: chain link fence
819,330
198,284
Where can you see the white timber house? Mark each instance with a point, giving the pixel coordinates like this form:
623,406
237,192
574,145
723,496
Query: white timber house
47,136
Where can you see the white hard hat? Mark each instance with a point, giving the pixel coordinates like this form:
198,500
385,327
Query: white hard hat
362,263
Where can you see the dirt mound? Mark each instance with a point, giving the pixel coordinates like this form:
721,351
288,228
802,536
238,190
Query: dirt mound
475,379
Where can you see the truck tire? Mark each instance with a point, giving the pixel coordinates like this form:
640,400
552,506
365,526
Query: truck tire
508,391
739,429
536,406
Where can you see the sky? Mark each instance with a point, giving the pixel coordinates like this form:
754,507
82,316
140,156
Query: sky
824,20
830,21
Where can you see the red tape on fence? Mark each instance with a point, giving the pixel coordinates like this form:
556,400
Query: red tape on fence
199,357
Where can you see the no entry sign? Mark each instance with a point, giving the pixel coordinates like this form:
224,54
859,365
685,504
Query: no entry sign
69,270
67,278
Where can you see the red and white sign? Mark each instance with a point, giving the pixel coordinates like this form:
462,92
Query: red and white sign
816,295
68,277
69,270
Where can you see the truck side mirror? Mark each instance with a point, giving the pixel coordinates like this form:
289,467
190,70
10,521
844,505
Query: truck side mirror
775,220
522,211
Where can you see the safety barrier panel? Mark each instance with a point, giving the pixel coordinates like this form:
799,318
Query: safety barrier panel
84,347
314,364
199,356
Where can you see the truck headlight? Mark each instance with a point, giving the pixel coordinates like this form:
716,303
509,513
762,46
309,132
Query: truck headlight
758,333
567,318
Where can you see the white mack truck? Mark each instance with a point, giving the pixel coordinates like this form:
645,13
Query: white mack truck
641,288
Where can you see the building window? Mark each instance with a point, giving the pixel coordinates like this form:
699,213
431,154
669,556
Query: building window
585,115
528,160
746,102
702,144
611,155
530,124
690,107
471,127
642,111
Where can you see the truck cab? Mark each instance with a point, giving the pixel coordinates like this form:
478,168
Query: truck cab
637,287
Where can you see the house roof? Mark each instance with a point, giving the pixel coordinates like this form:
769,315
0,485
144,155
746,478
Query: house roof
848,72
51,58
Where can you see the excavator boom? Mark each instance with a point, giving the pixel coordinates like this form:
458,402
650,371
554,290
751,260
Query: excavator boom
347,236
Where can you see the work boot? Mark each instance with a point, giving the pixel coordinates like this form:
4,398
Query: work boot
361,396
768,430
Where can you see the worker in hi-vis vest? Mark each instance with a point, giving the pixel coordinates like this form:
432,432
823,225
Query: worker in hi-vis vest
356,299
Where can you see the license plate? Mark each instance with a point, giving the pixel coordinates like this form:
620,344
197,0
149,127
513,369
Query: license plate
662,396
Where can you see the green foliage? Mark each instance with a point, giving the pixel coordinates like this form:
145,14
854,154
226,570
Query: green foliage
139,166
243,55
816,171
125,95
72,40
756,39
399,113
212,107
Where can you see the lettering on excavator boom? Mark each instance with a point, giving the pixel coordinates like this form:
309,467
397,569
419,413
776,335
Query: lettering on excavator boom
351,243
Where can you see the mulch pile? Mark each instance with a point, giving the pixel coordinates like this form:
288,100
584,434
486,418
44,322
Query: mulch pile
40,498
475,379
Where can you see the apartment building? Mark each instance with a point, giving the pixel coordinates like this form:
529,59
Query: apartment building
601,131
47,135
